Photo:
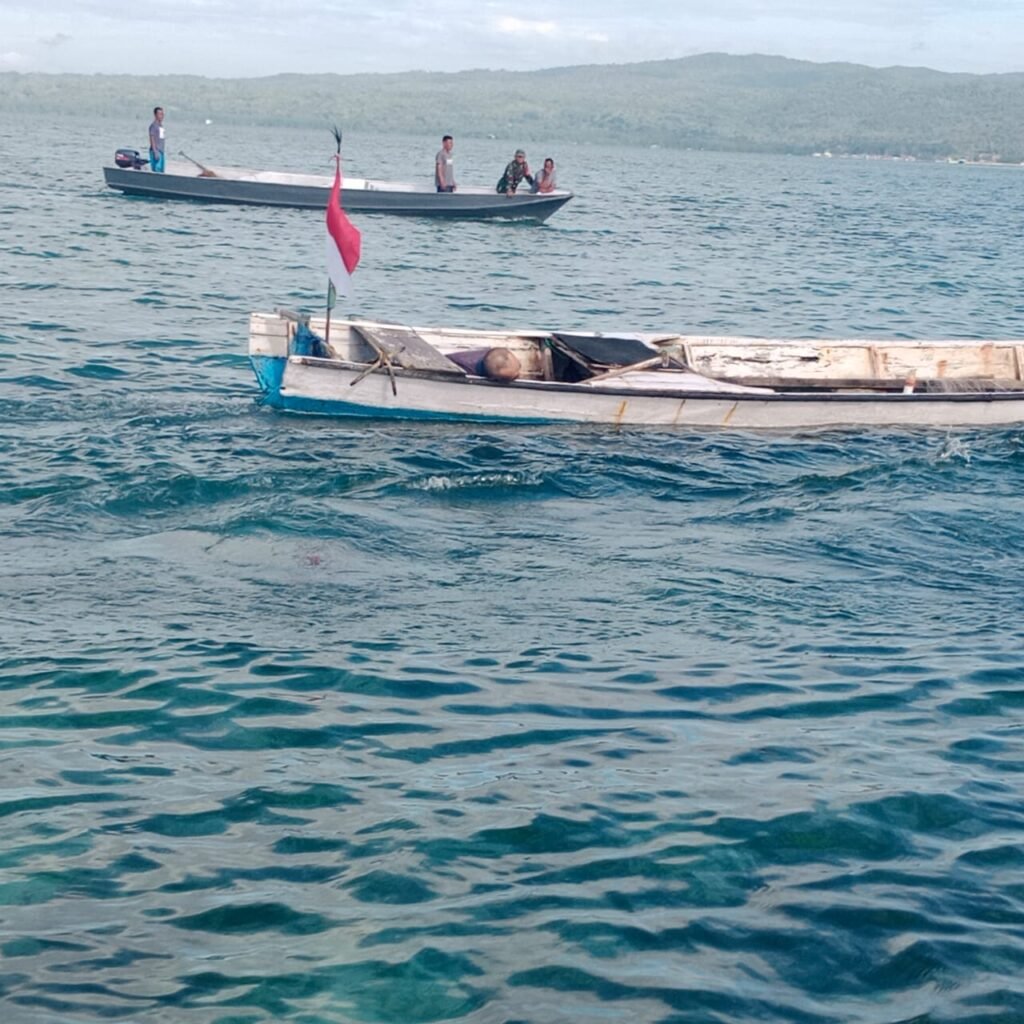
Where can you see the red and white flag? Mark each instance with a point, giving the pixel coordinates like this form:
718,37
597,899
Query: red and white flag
343,239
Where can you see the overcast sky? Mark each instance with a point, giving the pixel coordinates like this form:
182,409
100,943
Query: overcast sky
243,38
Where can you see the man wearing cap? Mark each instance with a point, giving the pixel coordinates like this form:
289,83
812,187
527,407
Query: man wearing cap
516,172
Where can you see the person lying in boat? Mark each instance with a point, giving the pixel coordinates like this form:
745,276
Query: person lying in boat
515,173
544,180
493,363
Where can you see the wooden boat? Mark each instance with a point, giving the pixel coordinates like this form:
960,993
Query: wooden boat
372,369
215,184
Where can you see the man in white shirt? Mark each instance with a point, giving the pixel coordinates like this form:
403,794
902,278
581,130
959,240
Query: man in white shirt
444,166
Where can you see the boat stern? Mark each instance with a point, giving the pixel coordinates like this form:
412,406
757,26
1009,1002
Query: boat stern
269,371
270,340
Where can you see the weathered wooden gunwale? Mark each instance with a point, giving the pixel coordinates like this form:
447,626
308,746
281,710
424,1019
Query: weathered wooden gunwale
763,362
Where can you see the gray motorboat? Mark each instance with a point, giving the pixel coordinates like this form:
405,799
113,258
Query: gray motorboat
214,184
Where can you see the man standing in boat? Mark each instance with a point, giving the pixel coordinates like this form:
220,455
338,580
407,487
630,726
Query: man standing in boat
156,141
444,166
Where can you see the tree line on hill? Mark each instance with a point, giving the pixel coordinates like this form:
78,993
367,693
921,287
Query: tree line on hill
712,101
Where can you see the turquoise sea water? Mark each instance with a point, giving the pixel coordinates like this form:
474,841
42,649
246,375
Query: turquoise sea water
328,722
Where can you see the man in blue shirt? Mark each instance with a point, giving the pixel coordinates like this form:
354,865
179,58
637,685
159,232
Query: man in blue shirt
156,141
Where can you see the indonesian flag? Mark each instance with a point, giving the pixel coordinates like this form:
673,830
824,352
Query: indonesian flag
343,239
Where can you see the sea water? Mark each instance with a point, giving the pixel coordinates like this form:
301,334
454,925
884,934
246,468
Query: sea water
336,721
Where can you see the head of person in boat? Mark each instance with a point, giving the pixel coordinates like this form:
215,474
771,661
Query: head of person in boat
493,363
501,364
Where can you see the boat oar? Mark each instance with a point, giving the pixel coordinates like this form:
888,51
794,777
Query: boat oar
618,371
204,172
669,353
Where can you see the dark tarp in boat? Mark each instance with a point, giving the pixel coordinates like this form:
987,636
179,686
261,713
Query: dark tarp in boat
601,351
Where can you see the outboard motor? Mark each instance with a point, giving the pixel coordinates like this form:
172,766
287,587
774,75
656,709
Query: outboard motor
129,158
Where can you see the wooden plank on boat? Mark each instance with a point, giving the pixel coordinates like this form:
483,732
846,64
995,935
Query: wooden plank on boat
944,385
267,323
797,359
853,360
402,346
876,369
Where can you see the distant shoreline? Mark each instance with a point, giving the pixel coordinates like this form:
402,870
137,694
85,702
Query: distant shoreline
711,102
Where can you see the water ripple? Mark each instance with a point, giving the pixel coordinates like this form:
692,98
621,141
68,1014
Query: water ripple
327,722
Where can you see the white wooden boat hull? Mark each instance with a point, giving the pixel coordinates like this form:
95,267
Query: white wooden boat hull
324,388
347,387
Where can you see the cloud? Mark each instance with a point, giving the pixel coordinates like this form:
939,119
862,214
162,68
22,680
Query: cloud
229,38
519,27
12,61
549,29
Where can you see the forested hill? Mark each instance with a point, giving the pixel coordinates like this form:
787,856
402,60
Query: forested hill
712,101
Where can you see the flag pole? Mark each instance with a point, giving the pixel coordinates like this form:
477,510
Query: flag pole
331,294
331,299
